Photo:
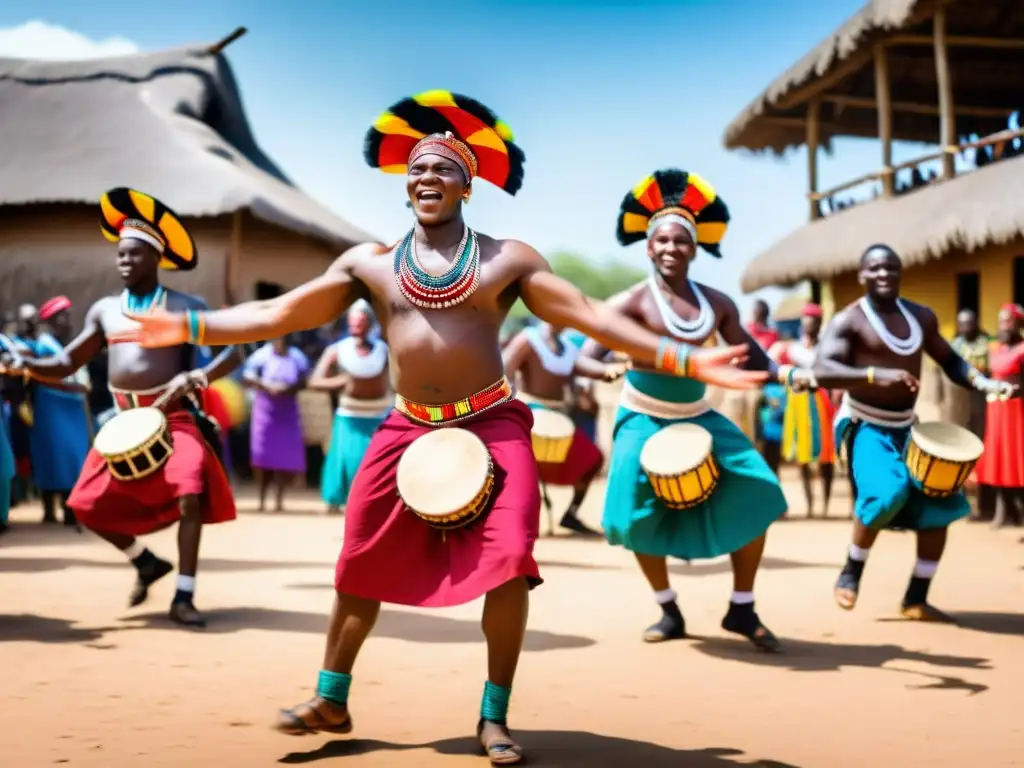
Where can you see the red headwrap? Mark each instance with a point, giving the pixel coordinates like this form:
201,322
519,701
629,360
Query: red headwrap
1014,310
54,306
811,310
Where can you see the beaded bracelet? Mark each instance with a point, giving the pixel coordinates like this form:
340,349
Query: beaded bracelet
871,374
196,322
673,358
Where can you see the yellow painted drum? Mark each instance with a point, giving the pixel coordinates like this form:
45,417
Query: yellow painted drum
941,456
135,443
679,463
551,435
446,477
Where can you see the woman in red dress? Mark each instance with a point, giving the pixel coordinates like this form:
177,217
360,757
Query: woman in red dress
1002,463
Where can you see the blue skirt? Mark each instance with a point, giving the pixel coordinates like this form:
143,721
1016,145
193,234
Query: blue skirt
60,438
885,494
350,439
746,502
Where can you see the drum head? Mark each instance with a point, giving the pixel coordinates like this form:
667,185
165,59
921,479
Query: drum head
128,430
548,423
676,448
442,471
947,441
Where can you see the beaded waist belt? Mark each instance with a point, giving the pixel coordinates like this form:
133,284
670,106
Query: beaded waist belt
445,413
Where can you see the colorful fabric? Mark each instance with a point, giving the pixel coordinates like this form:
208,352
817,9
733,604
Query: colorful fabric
583,460
350,440
391,555
747,500
672,192
436,414
395,134
772,412
7,468
54,306
807,428
275,426
974,352
129,213
137,507
884,493
61,430
1002,463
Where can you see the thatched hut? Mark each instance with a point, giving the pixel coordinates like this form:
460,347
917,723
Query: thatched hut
906,70
169,123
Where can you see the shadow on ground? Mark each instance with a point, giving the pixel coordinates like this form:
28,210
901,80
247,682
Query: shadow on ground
983,621
705,568
210,564
555,748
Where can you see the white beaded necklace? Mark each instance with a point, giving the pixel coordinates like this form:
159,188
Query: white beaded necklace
697,329
904,347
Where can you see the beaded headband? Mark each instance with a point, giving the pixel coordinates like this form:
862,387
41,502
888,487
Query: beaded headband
139,230
673,215
446,145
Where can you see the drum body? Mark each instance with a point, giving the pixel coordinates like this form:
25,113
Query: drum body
446,478
136,443
940,457
551,435
679,463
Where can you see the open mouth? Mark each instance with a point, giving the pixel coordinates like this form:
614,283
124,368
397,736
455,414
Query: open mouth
429,196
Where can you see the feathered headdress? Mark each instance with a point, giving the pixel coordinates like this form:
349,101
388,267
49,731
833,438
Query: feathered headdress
686,197
455,126
127,213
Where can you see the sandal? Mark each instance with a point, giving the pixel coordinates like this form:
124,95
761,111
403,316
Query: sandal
748,624
845,593
501,749
925,612
144,581
297,721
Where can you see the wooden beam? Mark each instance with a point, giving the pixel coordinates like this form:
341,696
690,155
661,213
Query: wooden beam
884,99
914,107
947,116
959,41
813,139
226,41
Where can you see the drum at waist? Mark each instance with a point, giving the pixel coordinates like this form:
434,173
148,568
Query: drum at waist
446,477
551,435
135,443
680,465
941,456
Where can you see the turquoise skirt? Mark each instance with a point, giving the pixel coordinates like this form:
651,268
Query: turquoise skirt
350,439
746,502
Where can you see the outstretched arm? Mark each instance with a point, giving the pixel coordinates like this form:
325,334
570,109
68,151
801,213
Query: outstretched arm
957,370
321,378
834,369
514,355
591,368
561,303
80,351
309,306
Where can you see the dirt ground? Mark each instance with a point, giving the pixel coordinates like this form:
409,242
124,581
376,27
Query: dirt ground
87,682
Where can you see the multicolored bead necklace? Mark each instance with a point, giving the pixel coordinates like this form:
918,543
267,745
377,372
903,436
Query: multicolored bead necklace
438,291
141,305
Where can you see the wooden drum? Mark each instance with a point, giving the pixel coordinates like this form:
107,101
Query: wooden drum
551,435
446,477
135,443
941,457
679,463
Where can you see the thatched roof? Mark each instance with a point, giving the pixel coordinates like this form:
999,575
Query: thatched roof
841,69
974,210
170,123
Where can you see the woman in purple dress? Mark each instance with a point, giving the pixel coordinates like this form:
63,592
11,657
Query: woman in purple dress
276,372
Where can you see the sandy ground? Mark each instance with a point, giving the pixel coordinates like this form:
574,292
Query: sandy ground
87,682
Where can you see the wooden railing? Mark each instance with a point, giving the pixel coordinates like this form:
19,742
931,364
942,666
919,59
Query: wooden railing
956,149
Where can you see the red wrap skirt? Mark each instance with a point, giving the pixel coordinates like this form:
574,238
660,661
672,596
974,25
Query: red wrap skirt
391,555
136,507
1002,463
584,458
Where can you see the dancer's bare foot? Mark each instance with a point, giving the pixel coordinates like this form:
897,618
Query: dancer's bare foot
925,612
498,744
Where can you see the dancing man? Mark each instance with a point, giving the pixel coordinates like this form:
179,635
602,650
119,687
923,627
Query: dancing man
675,211
547,363
807,423
357,367
441,294
876,345
191,487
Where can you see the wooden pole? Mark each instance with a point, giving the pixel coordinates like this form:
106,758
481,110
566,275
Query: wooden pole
813,139
226,41
883,100
234,260
947,117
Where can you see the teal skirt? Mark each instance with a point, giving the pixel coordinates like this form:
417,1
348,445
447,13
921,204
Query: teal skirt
746,502
350,438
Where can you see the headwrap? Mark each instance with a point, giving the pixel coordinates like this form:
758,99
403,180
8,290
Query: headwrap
1012,310
127,213
54,306
672,195
811,310
453,126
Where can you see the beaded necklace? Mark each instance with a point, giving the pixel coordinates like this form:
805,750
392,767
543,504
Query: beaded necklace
903,347
438,291
694,330
142,305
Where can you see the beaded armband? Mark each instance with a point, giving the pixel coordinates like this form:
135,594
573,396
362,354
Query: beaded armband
196,324
673,358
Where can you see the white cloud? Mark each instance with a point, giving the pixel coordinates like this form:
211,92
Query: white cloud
40,40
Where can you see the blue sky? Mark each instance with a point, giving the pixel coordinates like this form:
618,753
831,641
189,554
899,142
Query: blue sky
598,94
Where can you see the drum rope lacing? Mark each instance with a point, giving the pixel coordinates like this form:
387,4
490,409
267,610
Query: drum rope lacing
697,329
903,347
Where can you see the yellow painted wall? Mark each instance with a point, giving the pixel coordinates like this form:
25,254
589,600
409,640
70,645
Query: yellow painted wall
934,284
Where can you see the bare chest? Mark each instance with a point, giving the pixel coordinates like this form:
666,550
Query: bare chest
678,318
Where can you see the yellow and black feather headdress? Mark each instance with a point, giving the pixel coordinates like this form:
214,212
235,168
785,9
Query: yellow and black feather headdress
674,192
460,127
128,213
